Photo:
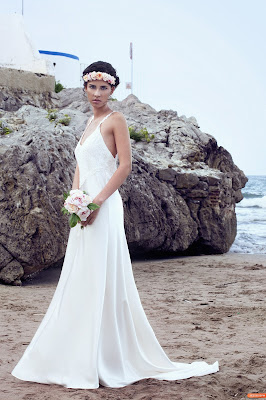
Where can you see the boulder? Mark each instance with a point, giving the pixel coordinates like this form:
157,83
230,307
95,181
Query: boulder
179,198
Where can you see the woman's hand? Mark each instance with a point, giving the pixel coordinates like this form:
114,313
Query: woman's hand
90,218
92,215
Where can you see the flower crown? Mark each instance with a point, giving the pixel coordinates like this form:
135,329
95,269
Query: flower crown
101,76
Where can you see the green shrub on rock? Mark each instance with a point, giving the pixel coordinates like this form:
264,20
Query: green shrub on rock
53,117
65,121
4,129
58,87
142,134
52,114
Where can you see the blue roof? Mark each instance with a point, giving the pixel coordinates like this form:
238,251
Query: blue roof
57,53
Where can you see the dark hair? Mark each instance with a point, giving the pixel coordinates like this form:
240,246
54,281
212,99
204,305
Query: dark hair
101,66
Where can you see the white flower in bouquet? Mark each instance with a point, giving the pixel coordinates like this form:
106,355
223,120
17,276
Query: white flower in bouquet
79,205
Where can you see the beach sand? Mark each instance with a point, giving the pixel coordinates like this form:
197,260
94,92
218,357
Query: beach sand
201,308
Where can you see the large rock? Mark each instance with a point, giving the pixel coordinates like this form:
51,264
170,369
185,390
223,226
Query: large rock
14,99
179,199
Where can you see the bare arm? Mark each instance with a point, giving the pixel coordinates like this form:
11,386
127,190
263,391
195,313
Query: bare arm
123,145
75,184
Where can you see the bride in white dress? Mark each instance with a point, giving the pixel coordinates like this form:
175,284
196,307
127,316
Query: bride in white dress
95,330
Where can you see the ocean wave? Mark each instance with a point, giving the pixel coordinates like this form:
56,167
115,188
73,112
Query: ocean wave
259,202
248,243
251,215
248,195
250,220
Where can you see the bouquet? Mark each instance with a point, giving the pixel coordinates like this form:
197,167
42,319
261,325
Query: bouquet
79,205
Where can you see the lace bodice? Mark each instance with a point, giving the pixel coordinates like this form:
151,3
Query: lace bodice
93,156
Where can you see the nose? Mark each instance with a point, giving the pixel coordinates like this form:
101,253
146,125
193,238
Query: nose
97,92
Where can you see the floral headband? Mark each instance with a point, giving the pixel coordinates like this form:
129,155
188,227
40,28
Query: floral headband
101,76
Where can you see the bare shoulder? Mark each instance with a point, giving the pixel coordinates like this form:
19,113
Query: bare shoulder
119,117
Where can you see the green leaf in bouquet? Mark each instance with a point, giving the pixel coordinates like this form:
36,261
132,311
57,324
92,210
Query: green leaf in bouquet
66,195
93,206
64,210
73,220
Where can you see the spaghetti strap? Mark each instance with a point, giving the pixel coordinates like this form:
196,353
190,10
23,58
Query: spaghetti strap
88,123
91,119
105,117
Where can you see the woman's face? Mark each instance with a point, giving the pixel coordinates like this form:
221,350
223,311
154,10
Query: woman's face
98,92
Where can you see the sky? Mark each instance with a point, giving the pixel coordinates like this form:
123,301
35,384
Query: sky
201,58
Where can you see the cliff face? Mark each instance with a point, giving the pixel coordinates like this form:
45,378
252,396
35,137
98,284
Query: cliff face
179,199
12,99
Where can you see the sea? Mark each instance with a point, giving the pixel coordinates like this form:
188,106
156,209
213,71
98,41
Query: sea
251,217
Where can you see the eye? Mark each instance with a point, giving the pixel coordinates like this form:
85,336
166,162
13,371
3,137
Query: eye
104,87
92,86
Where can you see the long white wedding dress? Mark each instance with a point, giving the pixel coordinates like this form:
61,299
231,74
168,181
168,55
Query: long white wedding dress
95,330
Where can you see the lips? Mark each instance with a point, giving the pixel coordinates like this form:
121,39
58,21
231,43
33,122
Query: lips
96,101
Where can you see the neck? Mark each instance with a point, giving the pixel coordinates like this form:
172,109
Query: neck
98,112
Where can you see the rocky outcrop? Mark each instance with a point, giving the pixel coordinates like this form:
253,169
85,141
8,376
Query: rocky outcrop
14,99
179,199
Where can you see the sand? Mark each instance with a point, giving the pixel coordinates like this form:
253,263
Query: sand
201,308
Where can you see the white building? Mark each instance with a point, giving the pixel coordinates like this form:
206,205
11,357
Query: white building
16,48
17,51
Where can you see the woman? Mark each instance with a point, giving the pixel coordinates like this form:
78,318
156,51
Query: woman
95,330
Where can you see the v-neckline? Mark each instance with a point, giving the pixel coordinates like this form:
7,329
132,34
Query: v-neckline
89,134
81,145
